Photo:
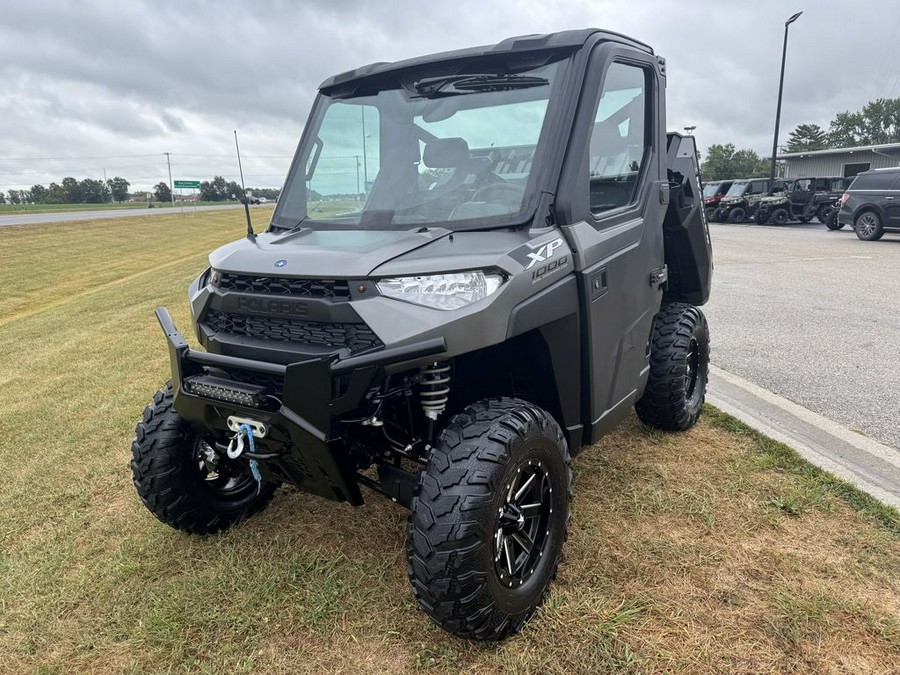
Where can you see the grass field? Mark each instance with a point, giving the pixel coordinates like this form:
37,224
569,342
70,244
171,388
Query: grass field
712,551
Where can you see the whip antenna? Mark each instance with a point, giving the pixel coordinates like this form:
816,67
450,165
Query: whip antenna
250,233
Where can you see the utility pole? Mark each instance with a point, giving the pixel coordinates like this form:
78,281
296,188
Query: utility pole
787,24
171,184
357,178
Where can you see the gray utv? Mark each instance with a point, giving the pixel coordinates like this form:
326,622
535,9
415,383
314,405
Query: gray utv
481,261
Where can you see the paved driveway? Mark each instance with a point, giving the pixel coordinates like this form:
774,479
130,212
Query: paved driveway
814,316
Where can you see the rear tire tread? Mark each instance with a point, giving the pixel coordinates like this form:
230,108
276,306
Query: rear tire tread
664,404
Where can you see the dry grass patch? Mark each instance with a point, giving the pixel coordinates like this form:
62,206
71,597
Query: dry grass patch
716,550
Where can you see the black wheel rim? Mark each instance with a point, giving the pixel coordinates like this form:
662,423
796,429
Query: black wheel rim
866,224
692,368
219,474
522,527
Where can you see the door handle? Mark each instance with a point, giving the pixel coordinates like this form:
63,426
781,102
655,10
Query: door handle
599,283
888,197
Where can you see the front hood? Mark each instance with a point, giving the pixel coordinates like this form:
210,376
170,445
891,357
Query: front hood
320,253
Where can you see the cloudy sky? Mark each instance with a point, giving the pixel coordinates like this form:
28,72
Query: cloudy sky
94,86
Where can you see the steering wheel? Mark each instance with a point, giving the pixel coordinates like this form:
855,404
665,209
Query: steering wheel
504,193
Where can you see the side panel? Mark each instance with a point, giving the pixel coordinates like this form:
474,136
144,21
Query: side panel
554,314
617,250
688,246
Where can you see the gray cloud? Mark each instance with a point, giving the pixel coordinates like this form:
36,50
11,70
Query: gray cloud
106,79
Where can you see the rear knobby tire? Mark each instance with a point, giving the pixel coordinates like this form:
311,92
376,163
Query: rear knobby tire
176,485
780,216
679,369
461,519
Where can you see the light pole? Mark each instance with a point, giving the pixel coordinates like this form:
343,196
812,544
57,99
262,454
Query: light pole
690,129
787,25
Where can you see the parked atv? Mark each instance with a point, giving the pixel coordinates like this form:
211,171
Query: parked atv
524,271
713,193
740,202
795,204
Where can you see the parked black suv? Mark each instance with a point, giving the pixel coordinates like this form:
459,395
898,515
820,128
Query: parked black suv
872,203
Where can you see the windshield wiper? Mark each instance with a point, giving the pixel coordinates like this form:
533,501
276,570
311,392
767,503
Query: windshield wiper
463,84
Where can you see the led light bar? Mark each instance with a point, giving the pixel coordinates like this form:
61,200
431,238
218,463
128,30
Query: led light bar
220,389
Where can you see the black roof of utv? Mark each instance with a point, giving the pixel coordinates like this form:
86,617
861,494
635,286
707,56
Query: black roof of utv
569,39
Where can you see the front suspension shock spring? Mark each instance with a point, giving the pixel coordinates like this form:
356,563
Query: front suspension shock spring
435,388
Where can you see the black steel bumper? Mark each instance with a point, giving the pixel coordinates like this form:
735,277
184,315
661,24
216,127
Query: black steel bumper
304,444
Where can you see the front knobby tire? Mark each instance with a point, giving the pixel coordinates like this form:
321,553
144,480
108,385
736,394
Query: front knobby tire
176,480
679,369
489,518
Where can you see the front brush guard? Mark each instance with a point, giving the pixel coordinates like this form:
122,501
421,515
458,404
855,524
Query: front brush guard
302,446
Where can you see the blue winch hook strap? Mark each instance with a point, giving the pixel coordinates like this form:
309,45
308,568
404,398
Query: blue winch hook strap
246,430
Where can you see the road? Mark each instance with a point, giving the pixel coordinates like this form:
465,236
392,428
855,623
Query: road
813,316
65,216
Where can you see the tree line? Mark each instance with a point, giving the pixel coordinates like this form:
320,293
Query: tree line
92,191
875,123
71,191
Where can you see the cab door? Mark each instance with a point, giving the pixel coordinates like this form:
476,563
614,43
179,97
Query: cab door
612,201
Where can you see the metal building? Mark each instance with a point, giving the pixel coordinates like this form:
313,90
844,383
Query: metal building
840,161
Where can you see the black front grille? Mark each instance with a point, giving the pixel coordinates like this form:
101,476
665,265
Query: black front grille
334,289
357,337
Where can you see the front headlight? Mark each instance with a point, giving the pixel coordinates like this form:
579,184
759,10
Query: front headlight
442,291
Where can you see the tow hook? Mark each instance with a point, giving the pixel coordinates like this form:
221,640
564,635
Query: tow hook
249,429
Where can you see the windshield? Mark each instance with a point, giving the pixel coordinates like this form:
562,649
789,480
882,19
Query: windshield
737,190
710,189
454,150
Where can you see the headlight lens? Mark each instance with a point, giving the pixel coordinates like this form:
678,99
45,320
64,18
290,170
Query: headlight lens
442,291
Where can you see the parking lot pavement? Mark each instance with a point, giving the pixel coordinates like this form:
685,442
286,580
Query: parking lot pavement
813,316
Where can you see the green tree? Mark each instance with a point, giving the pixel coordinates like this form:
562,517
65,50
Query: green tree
118,189
806,138
877,122
55,194
71,191
162,193
723,162
2,198
93,191
233,190
39,194
215,190
14,197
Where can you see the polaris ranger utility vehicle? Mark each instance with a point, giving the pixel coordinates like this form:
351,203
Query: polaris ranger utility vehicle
742,198
516,262
798,202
